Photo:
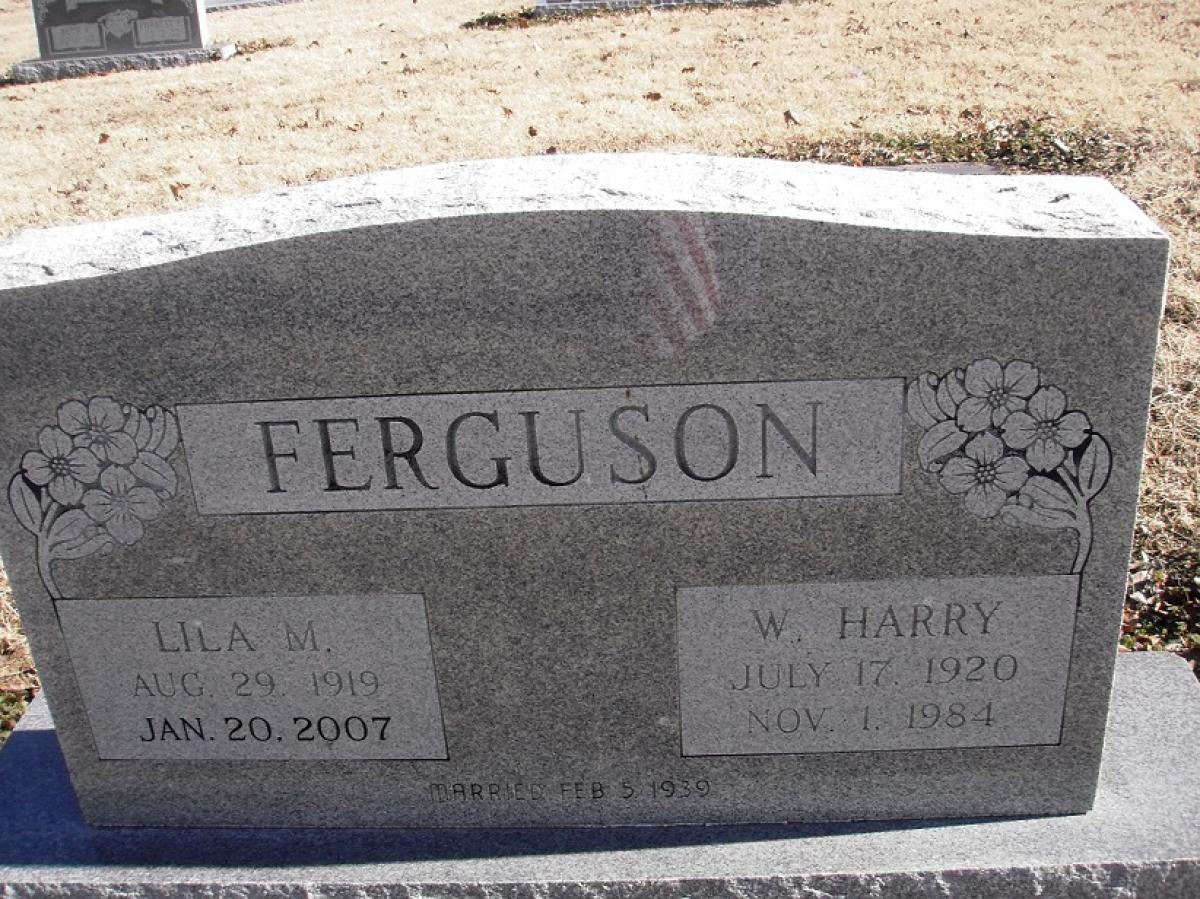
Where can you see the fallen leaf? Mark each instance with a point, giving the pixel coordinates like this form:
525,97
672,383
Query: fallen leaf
104,138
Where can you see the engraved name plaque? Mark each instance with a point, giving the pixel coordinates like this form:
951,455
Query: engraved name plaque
853,666
265,677
548,447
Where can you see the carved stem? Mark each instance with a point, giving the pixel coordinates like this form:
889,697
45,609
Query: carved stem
43,563
1083,525
1085,541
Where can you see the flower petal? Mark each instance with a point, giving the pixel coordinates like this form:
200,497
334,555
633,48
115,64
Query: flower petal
124,527
986,500
985,449
98,505
1011,473
958,475
84,465
1044,455
55,443
1072,429
117,481
1000,413
1020,378
975,414
143,503
1019,430
36,467
983,376
118,448
1047,404
105,413
66,490
73,417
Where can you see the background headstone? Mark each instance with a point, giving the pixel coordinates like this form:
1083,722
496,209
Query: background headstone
75,28
582,490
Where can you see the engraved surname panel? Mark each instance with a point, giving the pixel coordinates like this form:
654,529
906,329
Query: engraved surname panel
547,447
276,677
890,664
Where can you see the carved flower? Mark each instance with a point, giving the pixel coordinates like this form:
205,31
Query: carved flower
99,426
60,464
985,475
1044,432
119,22
121,505
994,393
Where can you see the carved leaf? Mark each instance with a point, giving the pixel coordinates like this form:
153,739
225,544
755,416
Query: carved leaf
165,429
25,504
137,426
938,442
1016,515
155,473
1048,494
73,536
1094,466
921,401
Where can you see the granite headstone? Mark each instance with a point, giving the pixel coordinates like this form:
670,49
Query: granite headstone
581,490
81,28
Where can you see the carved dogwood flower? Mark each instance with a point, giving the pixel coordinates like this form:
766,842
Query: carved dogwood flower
94,479
60,466
994,393
99,426
121,505
985,475
1044,432
995,434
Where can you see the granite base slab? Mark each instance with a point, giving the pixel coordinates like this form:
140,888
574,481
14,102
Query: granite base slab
37,70
1141,839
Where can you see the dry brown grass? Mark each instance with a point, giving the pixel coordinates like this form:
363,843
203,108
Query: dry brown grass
330,92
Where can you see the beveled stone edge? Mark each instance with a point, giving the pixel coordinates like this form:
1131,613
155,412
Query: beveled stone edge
1033,206
34,71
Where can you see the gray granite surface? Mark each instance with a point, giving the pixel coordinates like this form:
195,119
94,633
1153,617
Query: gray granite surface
890,423
33,71
1142,839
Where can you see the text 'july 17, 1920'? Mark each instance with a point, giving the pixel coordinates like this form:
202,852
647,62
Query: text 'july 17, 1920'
892,664
278,677
754,440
